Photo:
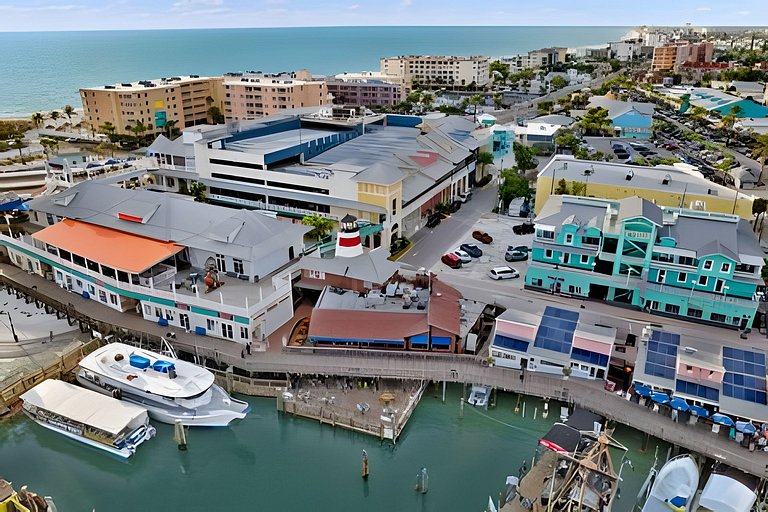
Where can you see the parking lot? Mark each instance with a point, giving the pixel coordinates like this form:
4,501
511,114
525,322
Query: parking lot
604,144
500,228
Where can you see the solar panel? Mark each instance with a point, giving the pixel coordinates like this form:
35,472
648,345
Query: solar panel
556,330
661,356
745,377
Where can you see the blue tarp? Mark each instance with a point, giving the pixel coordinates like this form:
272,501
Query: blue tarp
642,390
440,341
18,204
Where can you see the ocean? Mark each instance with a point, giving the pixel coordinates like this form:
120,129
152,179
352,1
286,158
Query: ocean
42,71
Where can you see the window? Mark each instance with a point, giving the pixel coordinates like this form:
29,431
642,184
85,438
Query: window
654,304
103,296
719,285
568,238
91,289
543,233
548,253
210,324
169,315
584,259
147,310
394,207
682,277
113,299
221,263
685,260
672,308
702,280
694,313
243,332
717,317
158,312
238,264
707,265
566,258
725,268
226,330
661,276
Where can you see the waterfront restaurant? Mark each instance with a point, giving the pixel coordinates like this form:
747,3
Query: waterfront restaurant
727,379
560,338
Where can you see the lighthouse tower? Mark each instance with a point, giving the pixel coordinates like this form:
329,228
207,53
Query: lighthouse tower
348,242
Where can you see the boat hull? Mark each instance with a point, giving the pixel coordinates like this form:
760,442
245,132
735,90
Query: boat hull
123,453
170,412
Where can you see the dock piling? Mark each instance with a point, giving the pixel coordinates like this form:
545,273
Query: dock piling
461,408
523,409
365,465
180,435
535,412
443,391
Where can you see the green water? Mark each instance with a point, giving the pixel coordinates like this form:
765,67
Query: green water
271,461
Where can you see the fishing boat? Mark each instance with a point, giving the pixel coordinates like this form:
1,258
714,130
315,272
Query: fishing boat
88,417
170,389
674,486
23,501
727,490
479,396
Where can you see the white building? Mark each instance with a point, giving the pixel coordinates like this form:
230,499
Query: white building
626,50
165,257
436,70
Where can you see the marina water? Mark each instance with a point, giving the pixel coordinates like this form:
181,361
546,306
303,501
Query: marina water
272,461
44,70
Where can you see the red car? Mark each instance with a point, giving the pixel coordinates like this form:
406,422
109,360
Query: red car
451,260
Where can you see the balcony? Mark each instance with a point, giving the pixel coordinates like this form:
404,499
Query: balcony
692,293
157,275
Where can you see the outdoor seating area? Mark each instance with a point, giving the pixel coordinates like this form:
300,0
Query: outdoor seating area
741,430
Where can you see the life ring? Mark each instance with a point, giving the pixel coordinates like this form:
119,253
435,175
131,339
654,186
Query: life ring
117,394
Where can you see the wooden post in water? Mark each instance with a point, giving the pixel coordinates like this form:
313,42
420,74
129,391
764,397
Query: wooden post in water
535,412
180,435
461,408
365,465
523,409
443,391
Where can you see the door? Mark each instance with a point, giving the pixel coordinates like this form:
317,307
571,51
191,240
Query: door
184,320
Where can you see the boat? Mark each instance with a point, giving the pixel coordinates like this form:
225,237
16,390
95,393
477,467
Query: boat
727,490
674,487
170,389
89,417
573,470
479,396
23,501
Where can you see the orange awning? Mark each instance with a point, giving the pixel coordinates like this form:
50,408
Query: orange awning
110,247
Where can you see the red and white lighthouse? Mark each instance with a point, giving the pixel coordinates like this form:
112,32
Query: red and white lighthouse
348,244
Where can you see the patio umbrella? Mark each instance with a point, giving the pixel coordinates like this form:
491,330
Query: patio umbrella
746,426
698,411
722,419
642,390
679,404
660,398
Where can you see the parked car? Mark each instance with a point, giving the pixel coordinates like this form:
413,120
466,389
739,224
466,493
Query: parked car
112,161
482,236
455,206
525,209
526,228
451,260
621,155
513,255
466,196
471,249
433,220
521,248
463,255
505,272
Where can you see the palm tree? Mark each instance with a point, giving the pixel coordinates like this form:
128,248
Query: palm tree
139,129
321,226
727,122
170,127
68,111
37,119
108,128
18,143
760,152
55,114
475,99
106,148
49,146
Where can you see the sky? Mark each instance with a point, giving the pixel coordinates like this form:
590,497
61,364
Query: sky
44,15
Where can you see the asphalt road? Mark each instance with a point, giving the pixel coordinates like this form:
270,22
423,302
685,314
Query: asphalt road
430,244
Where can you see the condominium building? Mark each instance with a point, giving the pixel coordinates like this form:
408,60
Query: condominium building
671,56
675,186
252,95
181,100
536,59
366,92
689,264
626,50
438,70
165,258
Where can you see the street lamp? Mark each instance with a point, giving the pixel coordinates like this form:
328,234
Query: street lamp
10,320
587,173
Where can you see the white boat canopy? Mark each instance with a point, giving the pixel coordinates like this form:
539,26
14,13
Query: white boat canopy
84,406
724,494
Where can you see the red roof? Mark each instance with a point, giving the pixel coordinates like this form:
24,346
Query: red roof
364,325
444,307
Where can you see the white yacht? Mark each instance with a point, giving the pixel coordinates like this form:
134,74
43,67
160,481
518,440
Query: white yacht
99,421
674,486
728,490
479,396
168,388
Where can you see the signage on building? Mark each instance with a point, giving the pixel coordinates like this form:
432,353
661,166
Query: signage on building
637,234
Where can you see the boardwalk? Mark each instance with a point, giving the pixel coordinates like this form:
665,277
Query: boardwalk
420,366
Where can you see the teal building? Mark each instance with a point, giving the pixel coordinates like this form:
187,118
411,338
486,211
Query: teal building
690,264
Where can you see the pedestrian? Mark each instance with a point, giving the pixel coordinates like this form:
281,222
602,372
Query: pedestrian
248,348
242,354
